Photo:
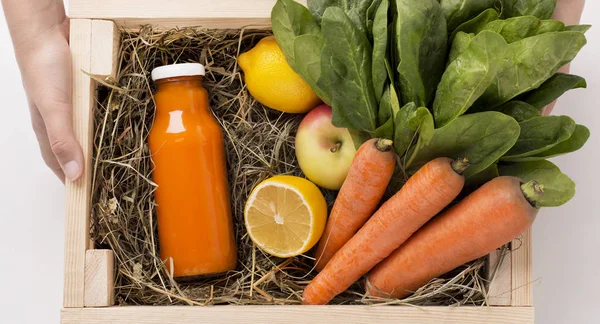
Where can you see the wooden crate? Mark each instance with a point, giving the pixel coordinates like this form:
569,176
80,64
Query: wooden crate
89,280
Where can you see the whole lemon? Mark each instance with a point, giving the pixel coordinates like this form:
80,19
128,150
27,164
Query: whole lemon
272,82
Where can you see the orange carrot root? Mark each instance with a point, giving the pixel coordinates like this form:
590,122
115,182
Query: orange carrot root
425,194
490,217
367,180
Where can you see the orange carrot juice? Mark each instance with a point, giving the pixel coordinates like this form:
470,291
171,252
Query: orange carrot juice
194,214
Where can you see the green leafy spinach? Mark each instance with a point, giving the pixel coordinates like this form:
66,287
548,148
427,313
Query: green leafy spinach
352,98
558,187
380,48
519,110
421,48
552,89
540,134
468,76
482,138
542,9
460,11
475,25
529,63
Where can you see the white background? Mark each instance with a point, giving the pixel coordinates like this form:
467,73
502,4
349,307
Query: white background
566,240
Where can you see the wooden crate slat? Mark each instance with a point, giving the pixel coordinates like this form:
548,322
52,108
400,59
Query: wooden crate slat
105,48
78,192
208,14
99,278
499,271
522,294
299,314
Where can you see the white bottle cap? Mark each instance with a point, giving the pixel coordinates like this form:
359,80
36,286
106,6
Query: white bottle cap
177,70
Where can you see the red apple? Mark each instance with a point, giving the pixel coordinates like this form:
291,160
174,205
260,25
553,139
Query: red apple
324,152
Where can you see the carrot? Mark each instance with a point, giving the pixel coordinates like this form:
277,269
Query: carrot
490,217
425,194
365,184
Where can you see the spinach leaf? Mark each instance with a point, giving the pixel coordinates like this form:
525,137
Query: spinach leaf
482,138
371,13
421,48
475,25
386,130
529,63
413,127
552,89
460,44
388,109
540,134
325,81
519,110
460,11
468,76
574,143
385,112
421,122
548,26
308,52
403,135
542,9
291,19
355,9
578,28
353,101
380,43
515,29
558,187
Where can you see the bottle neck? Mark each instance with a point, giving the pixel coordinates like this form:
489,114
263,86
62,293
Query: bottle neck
181,94
179,82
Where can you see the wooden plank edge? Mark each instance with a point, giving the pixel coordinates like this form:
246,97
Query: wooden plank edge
99,278
499,273
157,9
522,285
132,24
77,193
298,314
106,40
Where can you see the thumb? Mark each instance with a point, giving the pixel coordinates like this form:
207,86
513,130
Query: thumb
62,139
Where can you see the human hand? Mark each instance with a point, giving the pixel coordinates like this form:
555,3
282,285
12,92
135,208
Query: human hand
43,53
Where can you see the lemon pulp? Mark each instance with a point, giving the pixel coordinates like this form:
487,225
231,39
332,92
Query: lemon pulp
285,215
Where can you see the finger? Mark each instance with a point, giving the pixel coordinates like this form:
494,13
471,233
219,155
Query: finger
53,99
58,121
42,137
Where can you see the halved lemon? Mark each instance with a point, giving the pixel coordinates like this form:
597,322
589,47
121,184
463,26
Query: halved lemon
285,215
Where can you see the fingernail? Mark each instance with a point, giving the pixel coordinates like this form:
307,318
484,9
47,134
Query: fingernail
71,170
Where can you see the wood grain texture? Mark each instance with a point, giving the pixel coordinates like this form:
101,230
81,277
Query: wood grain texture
499,272
99,278
105,48
205,13
298,314
210,23
522,293
78,192
158,9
